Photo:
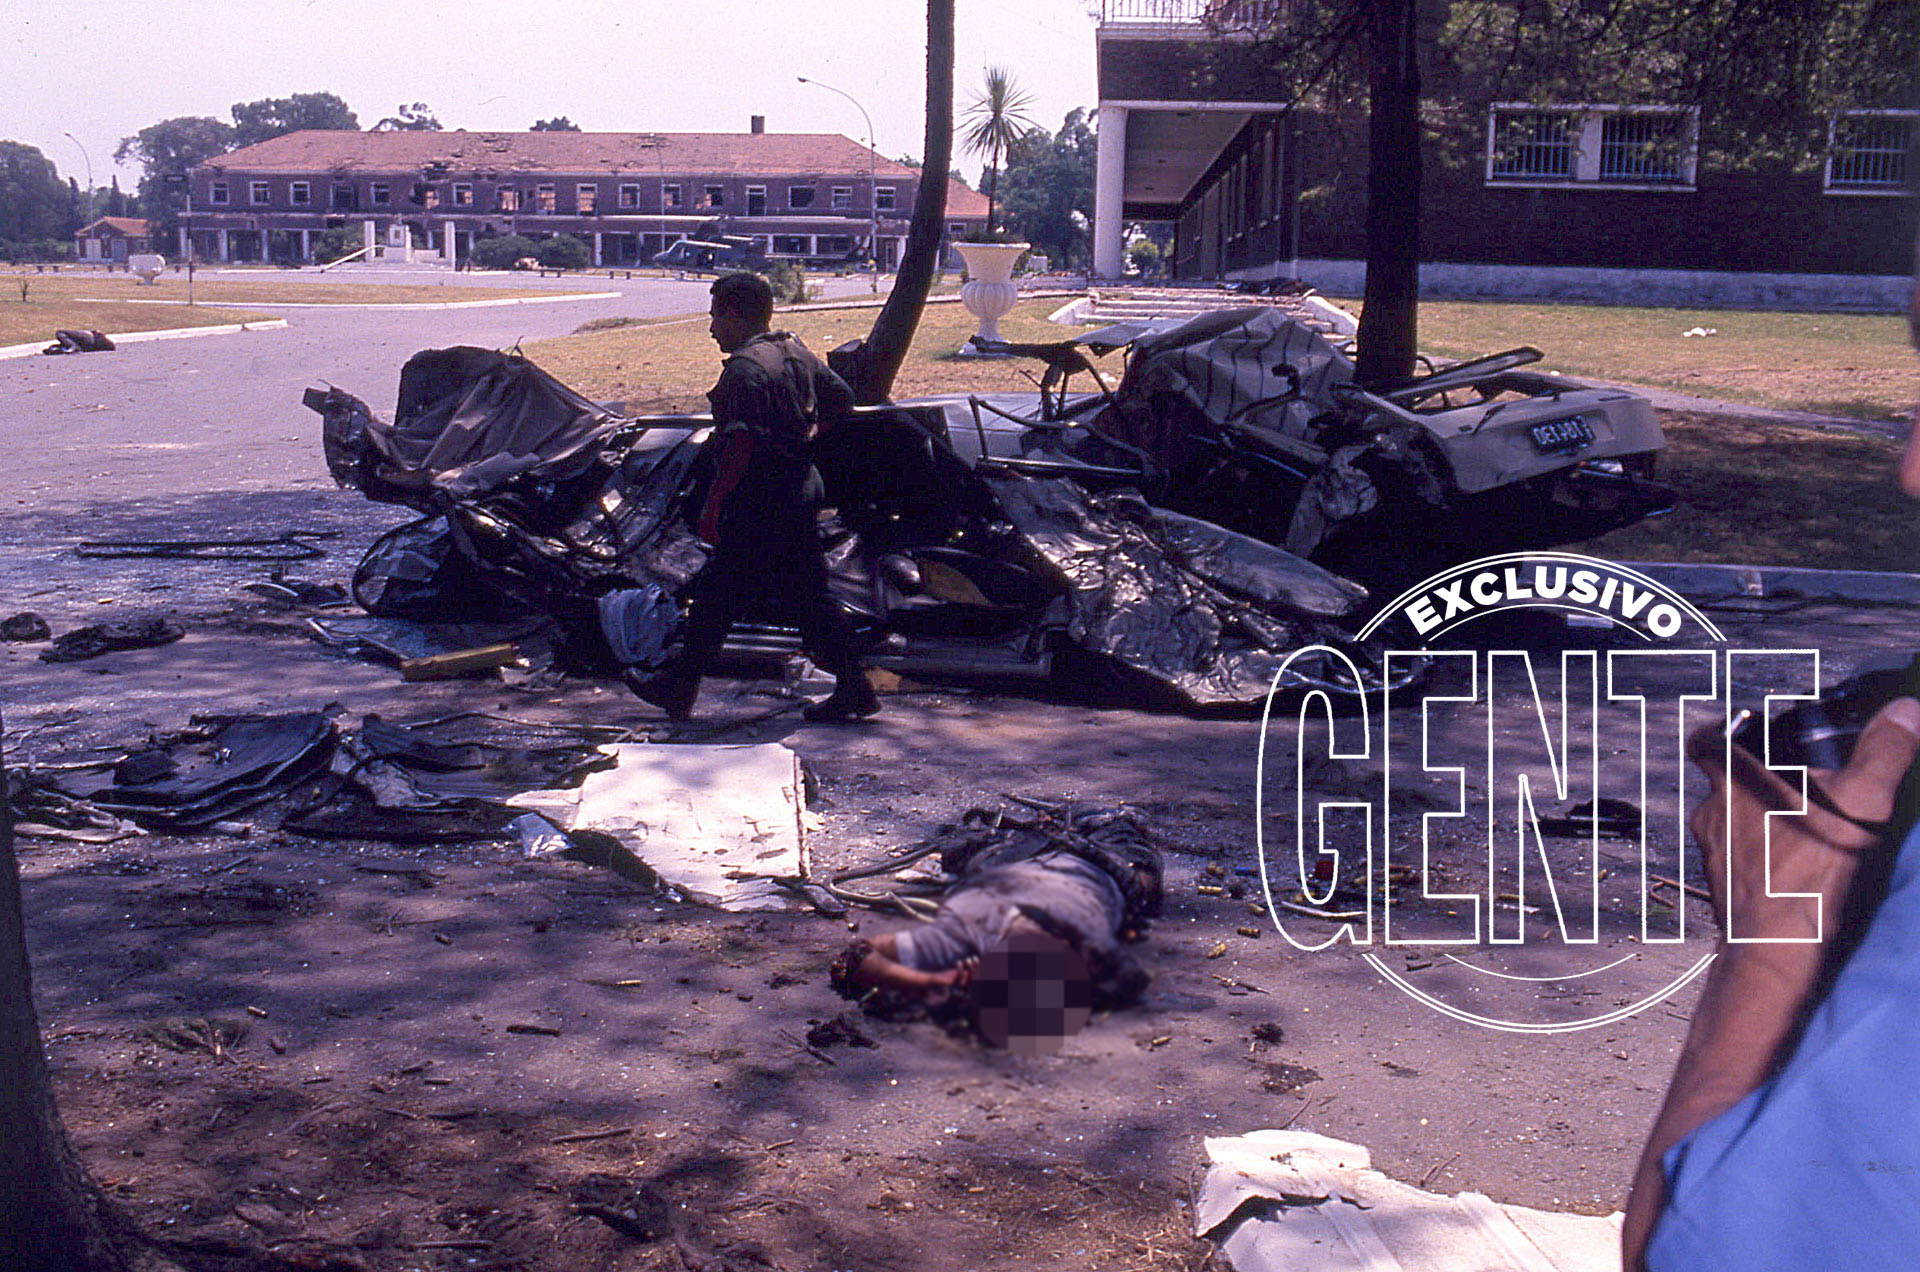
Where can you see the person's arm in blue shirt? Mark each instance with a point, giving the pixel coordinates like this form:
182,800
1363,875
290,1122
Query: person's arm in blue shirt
1756,993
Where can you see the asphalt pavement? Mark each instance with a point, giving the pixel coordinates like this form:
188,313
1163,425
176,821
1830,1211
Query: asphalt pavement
223,413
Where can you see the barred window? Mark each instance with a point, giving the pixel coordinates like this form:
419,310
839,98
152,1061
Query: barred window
1534,144
1871,151
1642,147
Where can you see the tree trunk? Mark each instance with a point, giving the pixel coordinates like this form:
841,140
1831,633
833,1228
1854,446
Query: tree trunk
1389,320
993,184
52,1218
874,364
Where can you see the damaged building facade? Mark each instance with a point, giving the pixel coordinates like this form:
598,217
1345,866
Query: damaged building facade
1195,129
627,195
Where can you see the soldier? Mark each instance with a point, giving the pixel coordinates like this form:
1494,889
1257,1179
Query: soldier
762,508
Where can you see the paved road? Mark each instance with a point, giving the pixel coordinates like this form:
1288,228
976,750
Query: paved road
223,413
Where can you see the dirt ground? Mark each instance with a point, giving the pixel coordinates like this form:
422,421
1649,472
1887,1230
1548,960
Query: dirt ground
368,1056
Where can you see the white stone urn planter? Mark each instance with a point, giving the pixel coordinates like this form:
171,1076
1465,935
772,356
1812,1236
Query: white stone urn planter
989,293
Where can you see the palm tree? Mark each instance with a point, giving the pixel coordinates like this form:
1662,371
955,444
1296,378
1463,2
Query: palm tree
995,120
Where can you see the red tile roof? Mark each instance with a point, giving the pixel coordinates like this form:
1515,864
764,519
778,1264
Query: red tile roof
964,201
131,226
746,154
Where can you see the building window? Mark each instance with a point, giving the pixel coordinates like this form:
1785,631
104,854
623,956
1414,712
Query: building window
506,199
670,195
342,198
842,198
462,194
956,229
1637,147
716,196
429,195
382,194
257,192
299,193
1531,143
883,197
756,200
586,198
790,244
629,196
543,198
1871,151
799,197
1643,147
218,193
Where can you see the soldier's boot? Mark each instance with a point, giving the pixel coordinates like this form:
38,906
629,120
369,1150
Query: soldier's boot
852,699
673,690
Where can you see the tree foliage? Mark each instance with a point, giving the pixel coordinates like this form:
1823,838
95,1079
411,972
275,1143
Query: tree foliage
995,120
270,117
35,204
559,123
563,251
418,117
1047,189
169,147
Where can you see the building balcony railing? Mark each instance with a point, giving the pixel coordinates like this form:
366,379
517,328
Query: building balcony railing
1190,17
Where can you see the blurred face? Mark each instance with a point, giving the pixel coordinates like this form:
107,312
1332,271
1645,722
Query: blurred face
1030,993
728,329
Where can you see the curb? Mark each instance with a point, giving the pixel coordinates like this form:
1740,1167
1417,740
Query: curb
422,304
165,333
1760,581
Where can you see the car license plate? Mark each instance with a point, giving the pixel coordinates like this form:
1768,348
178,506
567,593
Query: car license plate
1561,435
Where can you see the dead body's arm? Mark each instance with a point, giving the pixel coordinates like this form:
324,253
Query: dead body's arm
881,968
1757,994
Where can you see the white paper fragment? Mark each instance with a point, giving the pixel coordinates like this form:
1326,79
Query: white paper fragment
1293,1201
717,823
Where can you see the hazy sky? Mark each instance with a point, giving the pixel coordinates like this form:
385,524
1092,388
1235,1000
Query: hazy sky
107,68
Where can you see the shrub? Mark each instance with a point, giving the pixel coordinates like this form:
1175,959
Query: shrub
500,252
789,282
563,251
335,243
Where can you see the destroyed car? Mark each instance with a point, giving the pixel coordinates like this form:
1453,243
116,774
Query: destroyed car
1251,418
534,500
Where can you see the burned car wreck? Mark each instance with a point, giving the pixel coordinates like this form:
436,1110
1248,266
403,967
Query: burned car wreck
1251,418
536,501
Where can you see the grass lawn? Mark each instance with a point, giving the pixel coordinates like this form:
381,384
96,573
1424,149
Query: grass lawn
1858,365
39,317
1751,491
1760,493
670,365
269,288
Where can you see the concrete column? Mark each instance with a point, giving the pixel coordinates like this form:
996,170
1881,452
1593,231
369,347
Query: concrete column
183,242
226,247
306,247
596,249
1109,178
447,243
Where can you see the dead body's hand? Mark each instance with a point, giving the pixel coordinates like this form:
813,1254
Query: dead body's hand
1816,853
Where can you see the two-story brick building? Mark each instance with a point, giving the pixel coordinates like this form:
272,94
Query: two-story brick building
627,195
1195,128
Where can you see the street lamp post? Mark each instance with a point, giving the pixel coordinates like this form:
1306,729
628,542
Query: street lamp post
89,160
873,180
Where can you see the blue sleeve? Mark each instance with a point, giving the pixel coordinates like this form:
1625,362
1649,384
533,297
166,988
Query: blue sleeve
1819,1167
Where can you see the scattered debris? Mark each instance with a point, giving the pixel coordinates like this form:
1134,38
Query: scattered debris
843,1030
214,1035
27,626
106,638
289,545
